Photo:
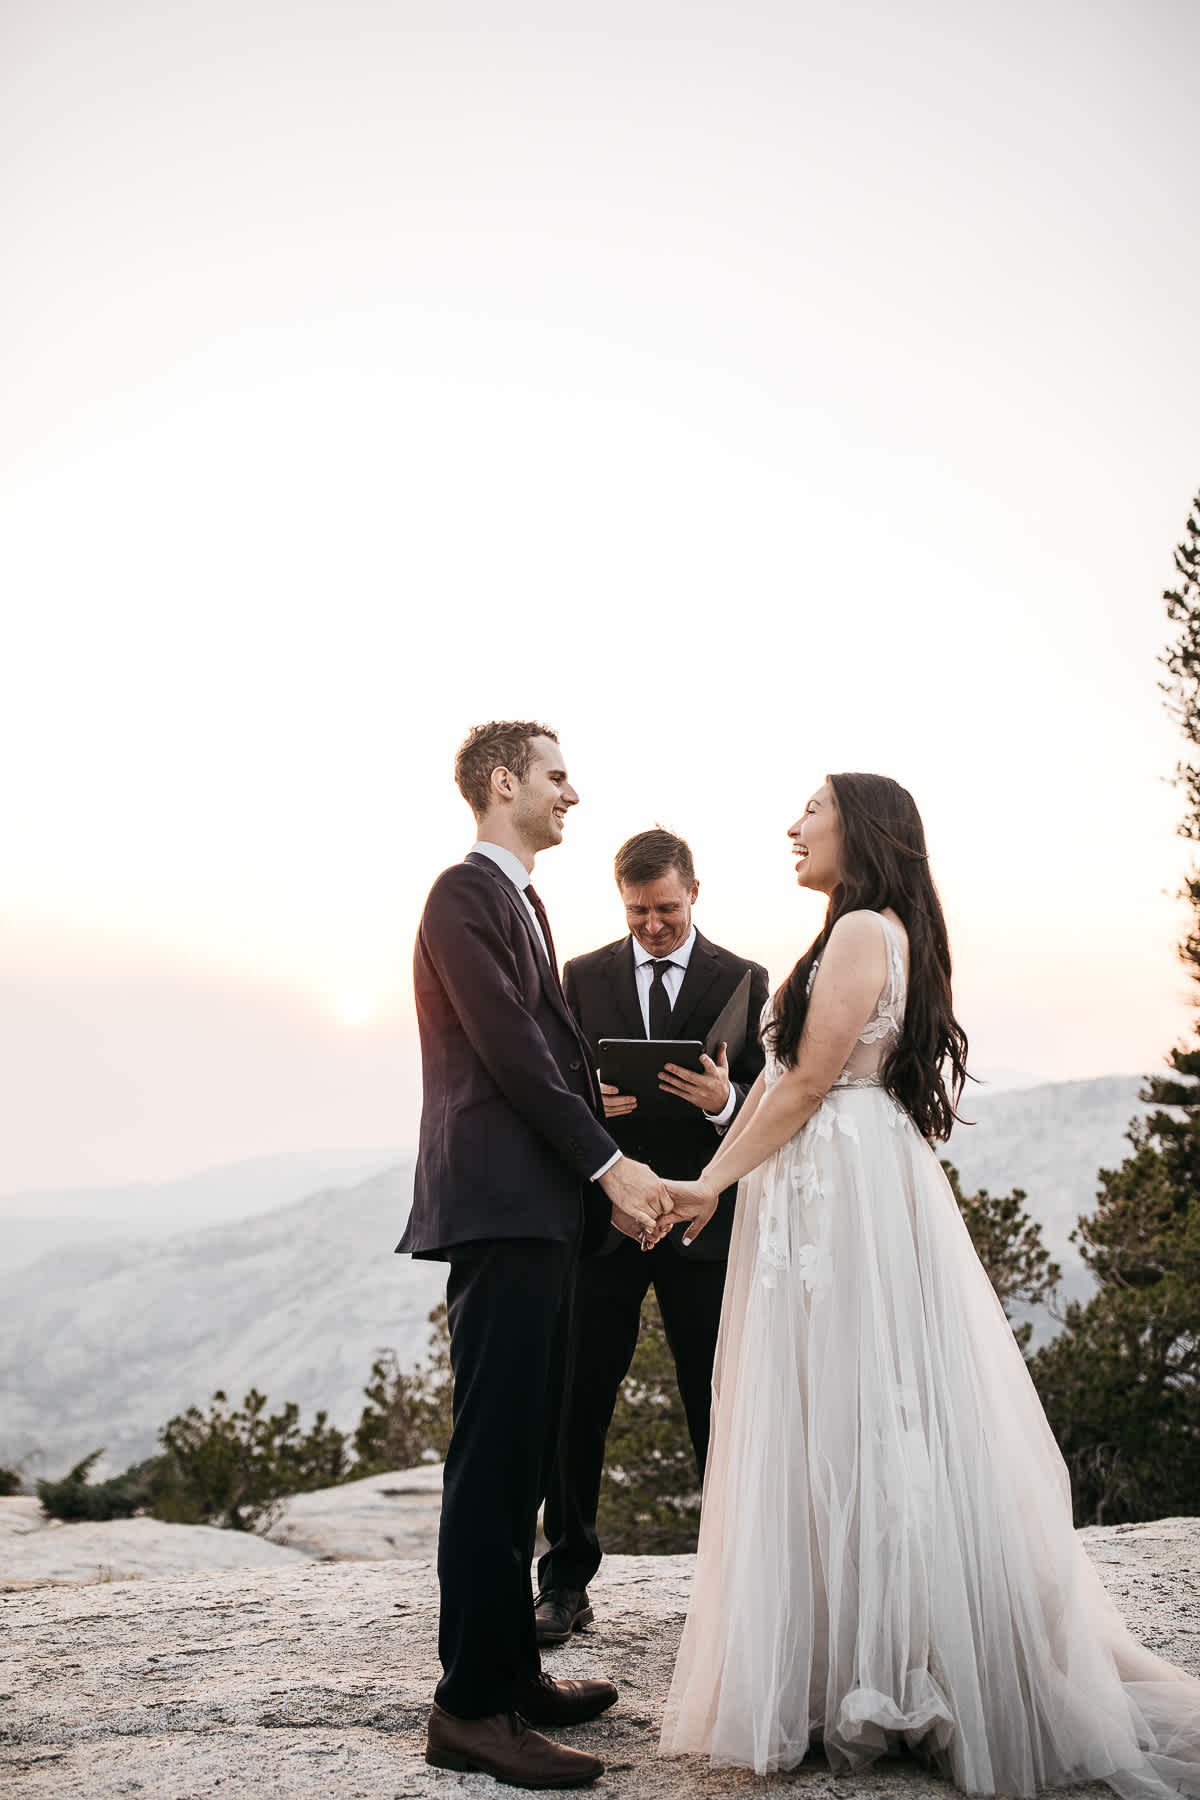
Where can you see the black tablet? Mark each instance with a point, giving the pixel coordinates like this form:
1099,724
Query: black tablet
632,1066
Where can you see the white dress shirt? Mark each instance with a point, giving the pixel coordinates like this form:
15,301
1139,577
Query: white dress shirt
643,974
519,875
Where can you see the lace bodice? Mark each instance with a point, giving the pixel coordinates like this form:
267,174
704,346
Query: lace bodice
881,1033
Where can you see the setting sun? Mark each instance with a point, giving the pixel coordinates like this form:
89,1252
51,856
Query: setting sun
354,1009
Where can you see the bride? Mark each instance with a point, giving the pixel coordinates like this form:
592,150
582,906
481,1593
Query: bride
886,1552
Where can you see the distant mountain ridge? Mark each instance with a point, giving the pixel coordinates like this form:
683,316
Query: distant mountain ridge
40,1219
1051,1140
101,1343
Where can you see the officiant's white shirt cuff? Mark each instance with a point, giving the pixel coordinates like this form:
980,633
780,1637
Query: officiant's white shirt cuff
726,1112
608,1165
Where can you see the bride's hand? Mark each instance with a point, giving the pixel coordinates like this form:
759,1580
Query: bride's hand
693,1204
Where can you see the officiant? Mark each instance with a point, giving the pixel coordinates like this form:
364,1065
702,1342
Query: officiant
665,980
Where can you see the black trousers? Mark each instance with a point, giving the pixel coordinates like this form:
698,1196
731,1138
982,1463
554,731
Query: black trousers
608,1310
509,1310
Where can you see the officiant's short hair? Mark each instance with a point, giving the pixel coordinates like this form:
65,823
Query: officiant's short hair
650,855
500,744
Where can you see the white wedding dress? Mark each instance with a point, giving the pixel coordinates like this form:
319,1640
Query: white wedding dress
886,1552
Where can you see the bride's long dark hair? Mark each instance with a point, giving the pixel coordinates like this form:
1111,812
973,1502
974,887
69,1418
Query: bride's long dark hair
885,864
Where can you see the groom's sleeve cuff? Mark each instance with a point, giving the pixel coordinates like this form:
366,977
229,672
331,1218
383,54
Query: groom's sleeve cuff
605,1167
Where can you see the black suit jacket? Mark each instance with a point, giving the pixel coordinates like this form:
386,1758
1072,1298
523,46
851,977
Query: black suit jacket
510,1133
601,989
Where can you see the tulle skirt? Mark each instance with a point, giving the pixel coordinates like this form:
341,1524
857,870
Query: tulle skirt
886,1555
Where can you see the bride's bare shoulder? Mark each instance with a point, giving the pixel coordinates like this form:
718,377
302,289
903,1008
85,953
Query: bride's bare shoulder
856,935
860,924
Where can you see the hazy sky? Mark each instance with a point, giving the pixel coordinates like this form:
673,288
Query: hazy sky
748,391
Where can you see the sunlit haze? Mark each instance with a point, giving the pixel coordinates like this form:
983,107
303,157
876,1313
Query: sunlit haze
747,392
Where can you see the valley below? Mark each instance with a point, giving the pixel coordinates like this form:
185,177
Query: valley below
102,1341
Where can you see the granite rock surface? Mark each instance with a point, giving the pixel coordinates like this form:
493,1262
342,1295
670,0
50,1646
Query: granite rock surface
314,1678
380,1518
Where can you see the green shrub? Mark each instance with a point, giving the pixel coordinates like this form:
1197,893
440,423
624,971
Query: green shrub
75,1497
406,1420
234,1466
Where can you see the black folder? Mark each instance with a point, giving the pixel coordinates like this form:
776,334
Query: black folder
632,1065
732,1026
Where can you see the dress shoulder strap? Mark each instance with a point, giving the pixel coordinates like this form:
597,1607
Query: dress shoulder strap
897,982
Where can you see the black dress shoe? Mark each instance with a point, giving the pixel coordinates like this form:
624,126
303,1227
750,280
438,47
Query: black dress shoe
504,1747
544,1701
559,1612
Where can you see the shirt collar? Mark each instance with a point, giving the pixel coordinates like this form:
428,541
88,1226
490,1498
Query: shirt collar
681,956
507,863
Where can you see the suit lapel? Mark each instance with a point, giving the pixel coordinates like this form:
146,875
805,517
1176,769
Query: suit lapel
704,965
549,977
621,986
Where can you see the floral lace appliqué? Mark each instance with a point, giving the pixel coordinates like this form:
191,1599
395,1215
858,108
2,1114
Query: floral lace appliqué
772,1256
811,1262
814,1265
792,1207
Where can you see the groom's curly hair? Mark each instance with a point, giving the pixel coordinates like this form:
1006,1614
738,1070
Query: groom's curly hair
885,864
500,744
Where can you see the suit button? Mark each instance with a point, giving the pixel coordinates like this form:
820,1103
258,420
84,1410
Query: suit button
577,1064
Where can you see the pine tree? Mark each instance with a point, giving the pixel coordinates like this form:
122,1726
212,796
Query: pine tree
1008,1242
1121,1385
1178,1137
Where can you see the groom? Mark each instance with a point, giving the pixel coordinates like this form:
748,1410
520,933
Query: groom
511,1165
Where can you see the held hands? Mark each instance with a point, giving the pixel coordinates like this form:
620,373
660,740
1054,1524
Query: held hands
638,1198
693,1204
708,1091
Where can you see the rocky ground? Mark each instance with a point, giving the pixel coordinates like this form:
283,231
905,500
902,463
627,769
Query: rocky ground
383,1517
313,1678
40,1552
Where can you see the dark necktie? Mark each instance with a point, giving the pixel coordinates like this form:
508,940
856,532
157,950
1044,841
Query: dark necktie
539,913
660,1002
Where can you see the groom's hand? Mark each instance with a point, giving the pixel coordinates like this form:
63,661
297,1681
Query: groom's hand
637,1195
628,1226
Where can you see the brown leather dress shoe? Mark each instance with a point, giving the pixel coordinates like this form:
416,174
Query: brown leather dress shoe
503,1746
544,1701
558,1612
